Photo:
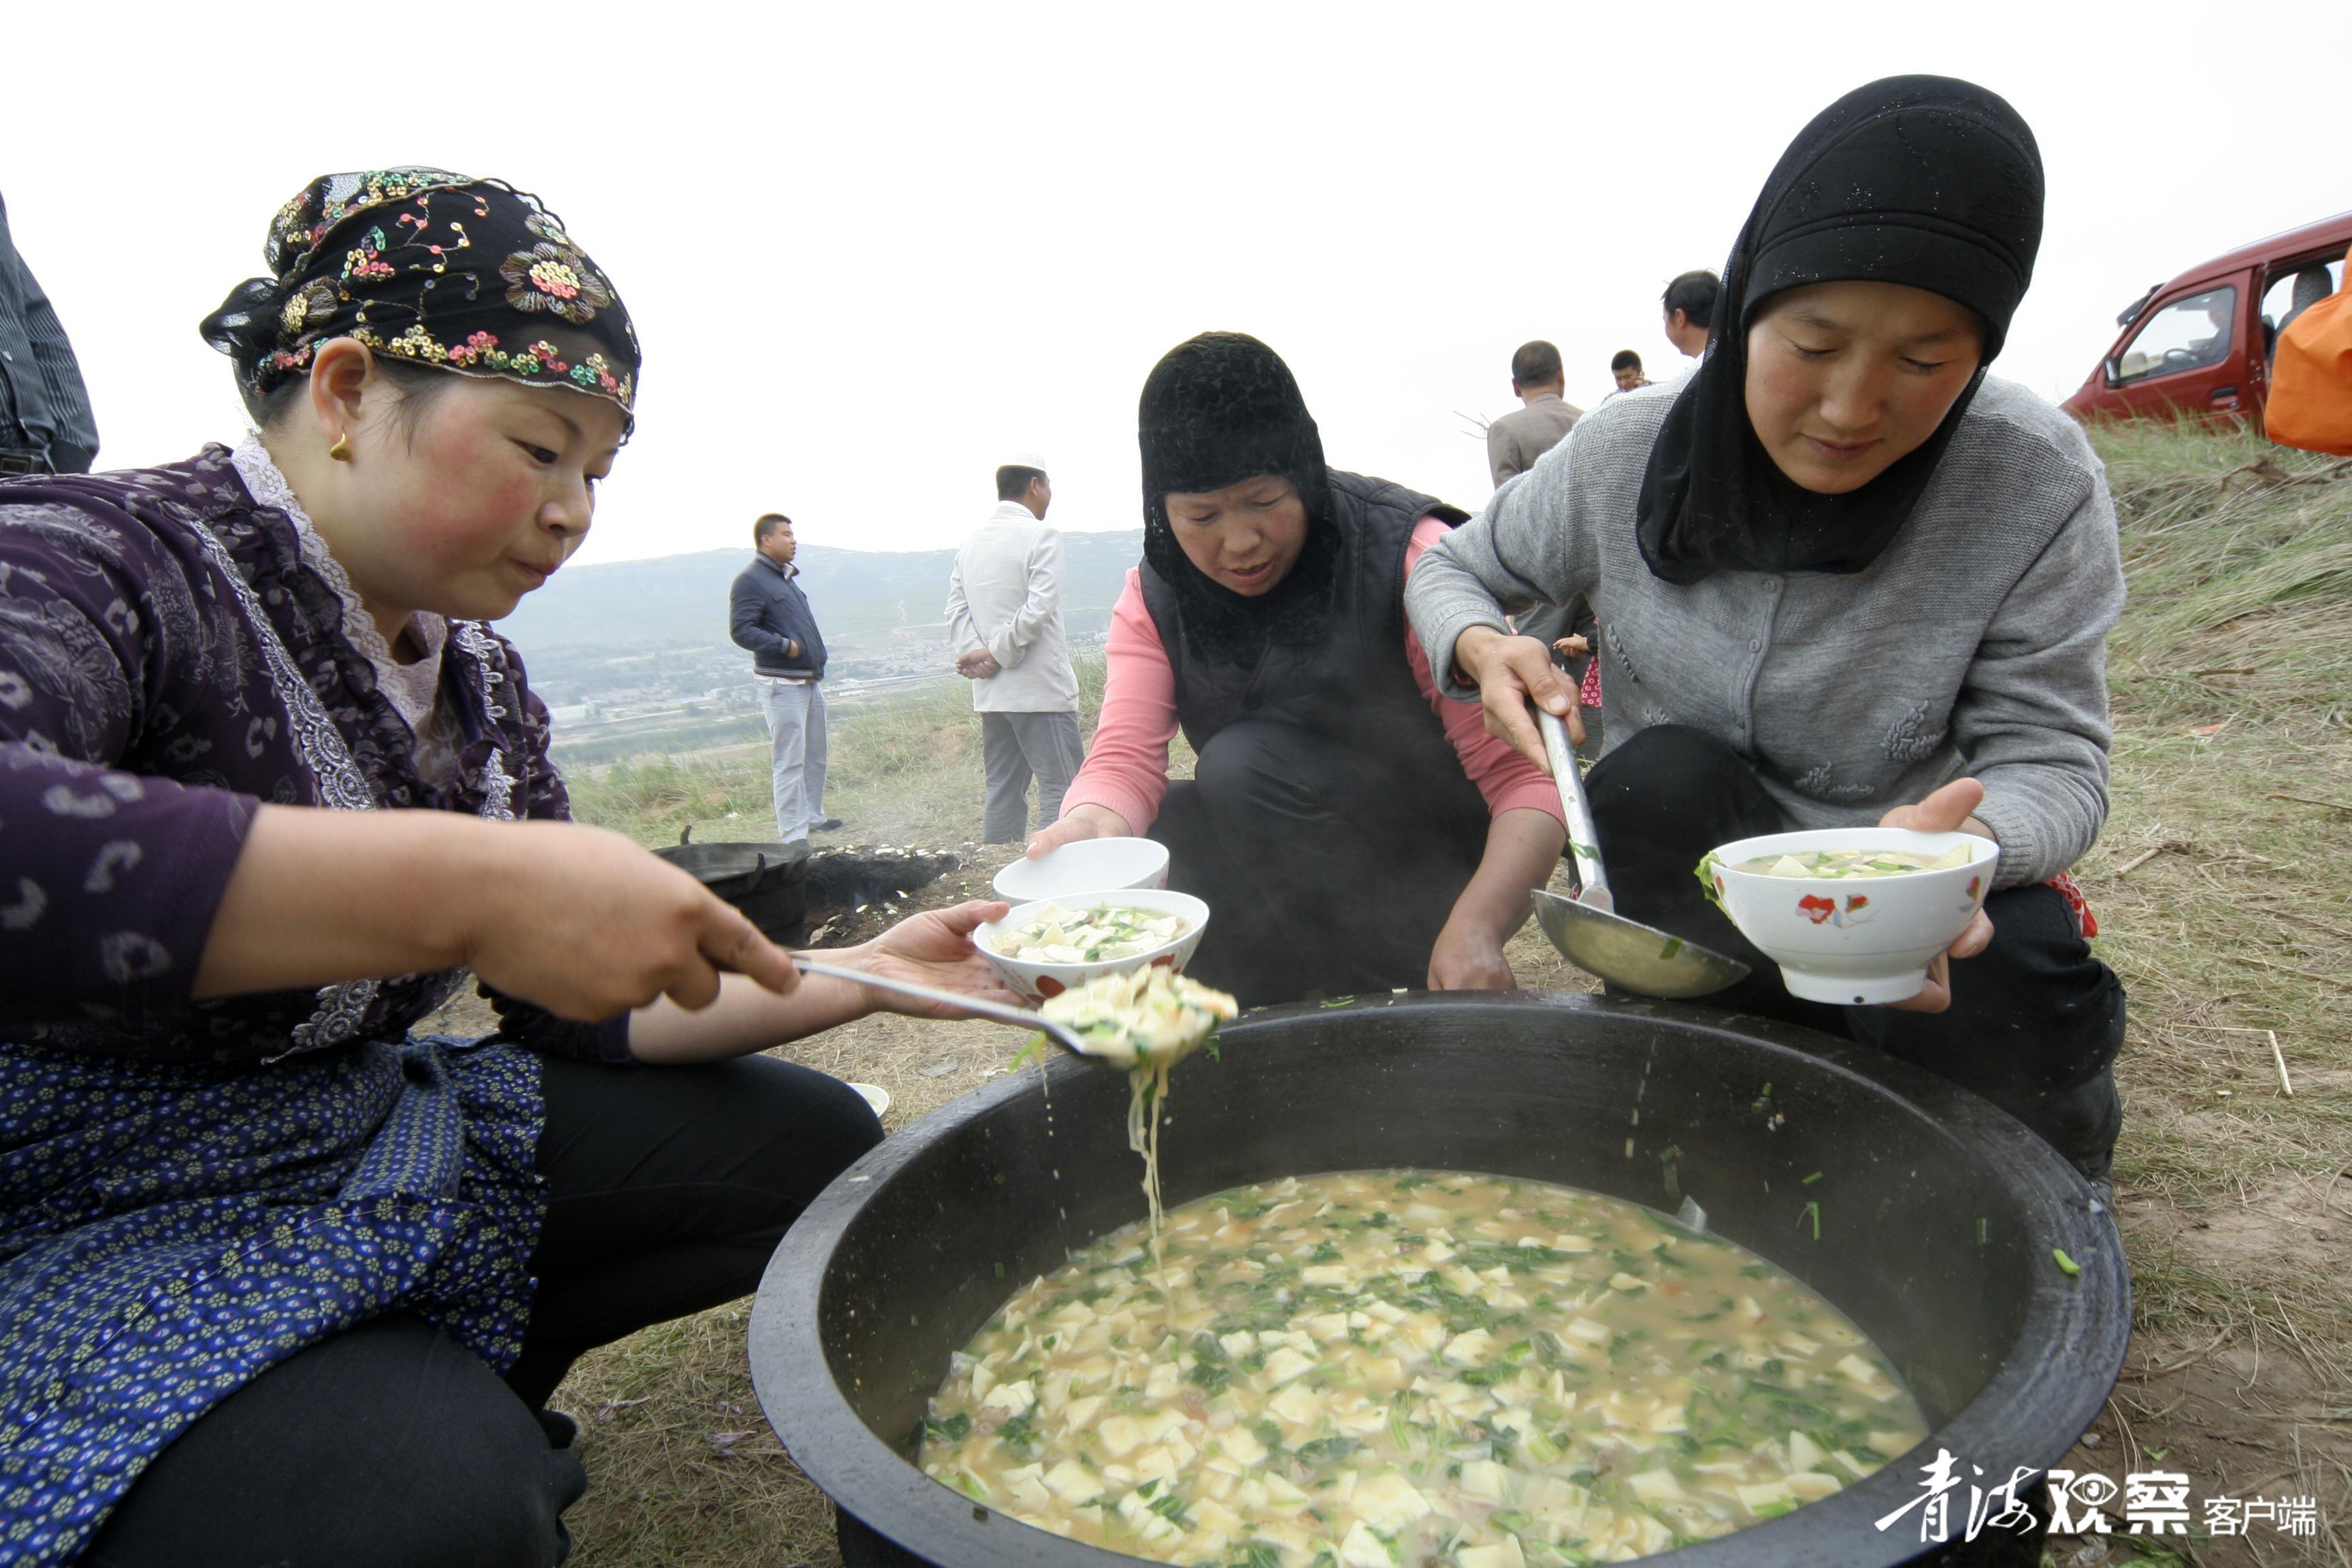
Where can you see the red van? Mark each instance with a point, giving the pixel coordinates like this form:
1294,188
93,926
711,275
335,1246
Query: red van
2202,342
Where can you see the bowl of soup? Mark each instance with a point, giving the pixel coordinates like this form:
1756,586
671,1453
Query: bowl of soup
1503,1273
1853,915
1048,947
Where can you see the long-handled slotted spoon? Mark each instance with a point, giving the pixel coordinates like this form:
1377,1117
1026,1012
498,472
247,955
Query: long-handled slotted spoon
1588,930
995,1012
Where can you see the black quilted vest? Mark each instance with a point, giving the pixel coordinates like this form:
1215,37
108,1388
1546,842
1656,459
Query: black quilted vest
1354,686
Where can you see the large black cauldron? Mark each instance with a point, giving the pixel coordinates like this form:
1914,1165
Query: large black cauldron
1936,1218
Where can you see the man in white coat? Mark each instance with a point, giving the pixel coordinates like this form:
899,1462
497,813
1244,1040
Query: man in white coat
1004,616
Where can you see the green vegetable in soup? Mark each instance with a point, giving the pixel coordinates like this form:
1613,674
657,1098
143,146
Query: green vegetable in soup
1382,1367
1057,935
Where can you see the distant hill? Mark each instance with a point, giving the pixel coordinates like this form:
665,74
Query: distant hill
861,596
645,634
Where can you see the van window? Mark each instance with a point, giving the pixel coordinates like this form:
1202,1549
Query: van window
2187,335
2293,288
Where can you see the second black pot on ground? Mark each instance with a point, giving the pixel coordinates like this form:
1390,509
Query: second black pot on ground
767,882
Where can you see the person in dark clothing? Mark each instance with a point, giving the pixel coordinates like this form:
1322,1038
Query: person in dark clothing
768,613
666,1194
1350,830
45,424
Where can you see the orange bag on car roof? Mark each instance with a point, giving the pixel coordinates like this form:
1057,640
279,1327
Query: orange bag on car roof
2310,402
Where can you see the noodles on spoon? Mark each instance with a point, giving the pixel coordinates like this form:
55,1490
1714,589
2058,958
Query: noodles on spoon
1146,1021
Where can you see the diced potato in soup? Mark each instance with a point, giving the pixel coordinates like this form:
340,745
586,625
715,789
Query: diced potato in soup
1845,863
1057,935
1578,1380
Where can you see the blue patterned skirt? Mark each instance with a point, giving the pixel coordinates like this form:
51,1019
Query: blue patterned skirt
167,1233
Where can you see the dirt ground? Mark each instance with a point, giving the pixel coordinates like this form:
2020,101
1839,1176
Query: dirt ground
684,1471
2218,889
668,1417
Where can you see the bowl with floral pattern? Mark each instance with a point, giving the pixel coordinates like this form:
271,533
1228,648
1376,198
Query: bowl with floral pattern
1851,915
1050,945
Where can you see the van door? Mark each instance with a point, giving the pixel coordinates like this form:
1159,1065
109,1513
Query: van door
2290,287
2189,352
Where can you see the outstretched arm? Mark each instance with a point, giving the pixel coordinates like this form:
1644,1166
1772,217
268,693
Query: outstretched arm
577,920
933,949
1522,845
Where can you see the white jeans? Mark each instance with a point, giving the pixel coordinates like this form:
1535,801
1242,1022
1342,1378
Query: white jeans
796,712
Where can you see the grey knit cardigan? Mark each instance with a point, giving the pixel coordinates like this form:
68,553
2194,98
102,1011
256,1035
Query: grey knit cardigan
1975,644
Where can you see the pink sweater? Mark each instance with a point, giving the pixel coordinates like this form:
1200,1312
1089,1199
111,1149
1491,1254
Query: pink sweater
1126,769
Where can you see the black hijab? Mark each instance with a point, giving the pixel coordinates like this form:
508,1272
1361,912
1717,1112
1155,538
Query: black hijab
1218,409
1919,180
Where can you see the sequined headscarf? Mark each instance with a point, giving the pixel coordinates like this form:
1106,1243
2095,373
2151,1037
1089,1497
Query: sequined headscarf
434,269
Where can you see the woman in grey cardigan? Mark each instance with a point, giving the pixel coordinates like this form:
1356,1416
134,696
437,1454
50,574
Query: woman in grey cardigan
1842,577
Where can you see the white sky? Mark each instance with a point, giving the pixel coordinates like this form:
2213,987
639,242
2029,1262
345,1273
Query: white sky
872,249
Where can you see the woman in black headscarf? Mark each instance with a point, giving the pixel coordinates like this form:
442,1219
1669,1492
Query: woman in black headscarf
1845,577
1351,829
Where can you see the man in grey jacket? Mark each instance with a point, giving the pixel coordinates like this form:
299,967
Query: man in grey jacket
768,614
1516,439
1004,616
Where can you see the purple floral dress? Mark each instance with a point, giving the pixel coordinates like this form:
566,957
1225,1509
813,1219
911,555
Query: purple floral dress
193,1191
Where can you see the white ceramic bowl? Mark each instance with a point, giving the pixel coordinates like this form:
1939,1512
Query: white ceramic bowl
1085,865
1035,982
1854,939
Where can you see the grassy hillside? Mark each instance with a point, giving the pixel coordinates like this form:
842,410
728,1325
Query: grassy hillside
2221,892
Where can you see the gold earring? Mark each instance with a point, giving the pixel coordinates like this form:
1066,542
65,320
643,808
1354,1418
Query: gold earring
341,450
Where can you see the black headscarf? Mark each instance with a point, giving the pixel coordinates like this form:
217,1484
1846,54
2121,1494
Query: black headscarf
1216,410
1918,180
436,268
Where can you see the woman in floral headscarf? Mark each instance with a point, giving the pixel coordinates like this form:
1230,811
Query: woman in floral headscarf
284,1283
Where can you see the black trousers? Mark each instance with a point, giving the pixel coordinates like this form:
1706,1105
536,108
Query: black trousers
2035,1021
1326,874
392,1447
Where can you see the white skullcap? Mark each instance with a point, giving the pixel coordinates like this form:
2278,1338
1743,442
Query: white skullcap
1024,460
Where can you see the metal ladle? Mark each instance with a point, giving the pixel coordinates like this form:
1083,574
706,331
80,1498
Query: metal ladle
1588,930
996,1012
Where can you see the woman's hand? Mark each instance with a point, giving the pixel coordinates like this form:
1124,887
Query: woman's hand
1948,810
1468,957
577,920
933,949
1080,821
1512,672
588,925
1572,646
1523,845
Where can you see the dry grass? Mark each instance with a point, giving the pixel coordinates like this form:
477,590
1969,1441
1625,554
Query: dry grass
902,770
2233,764
2233,687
